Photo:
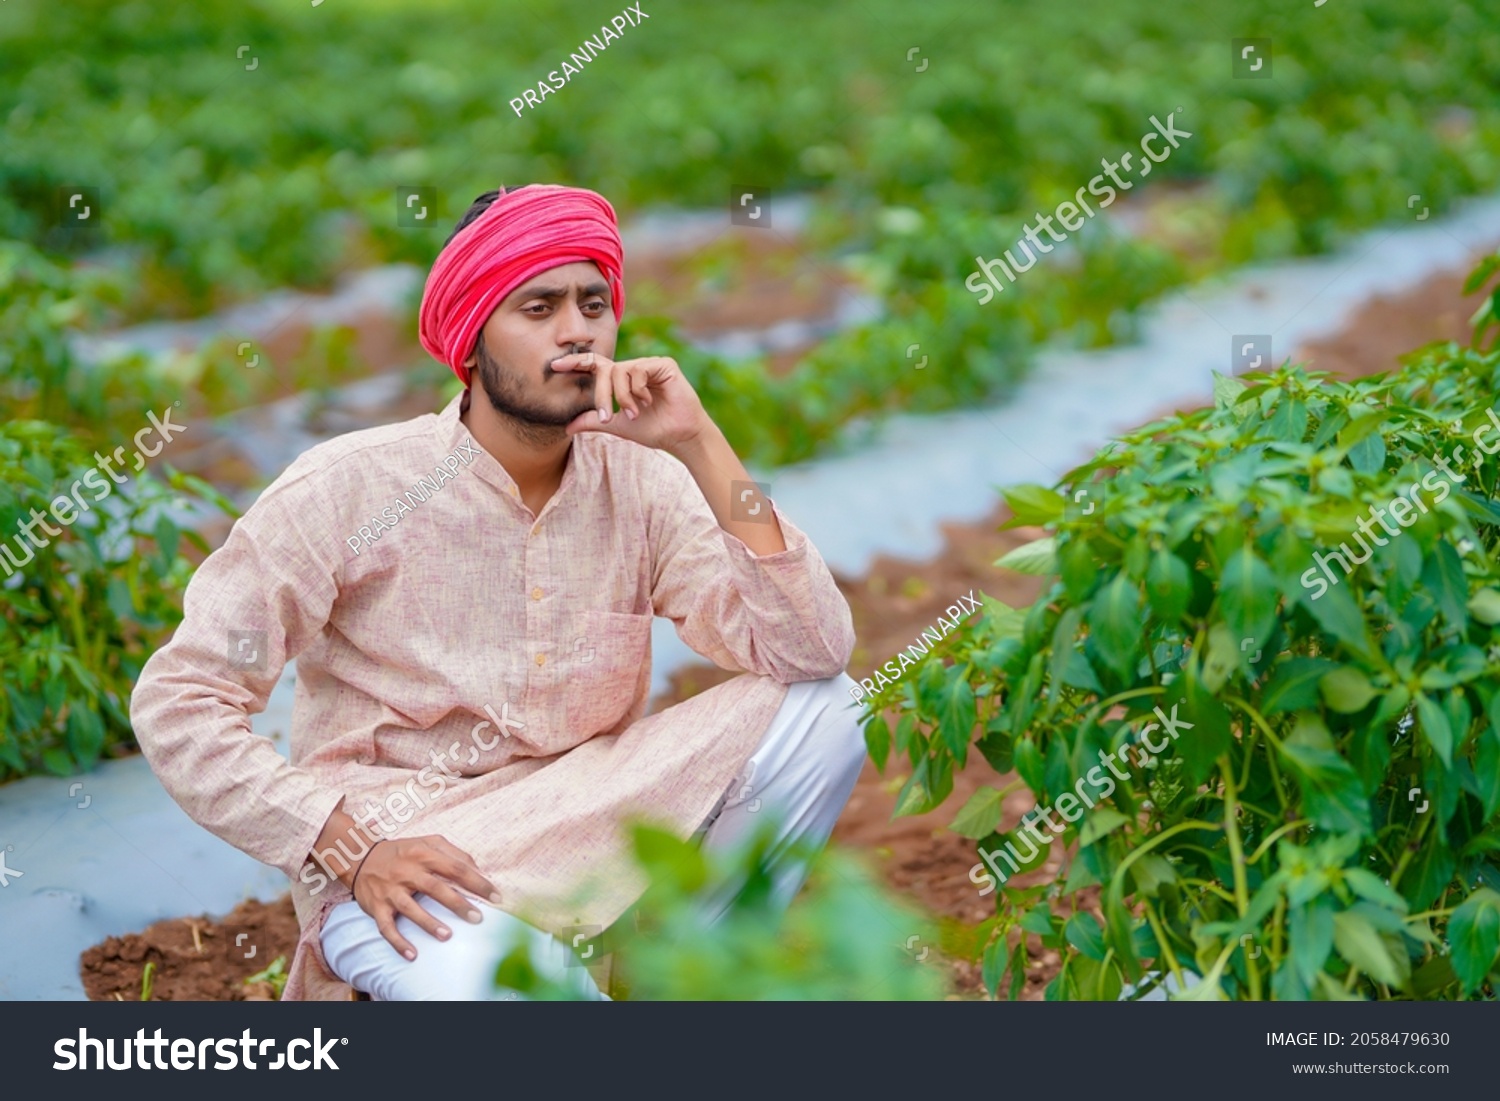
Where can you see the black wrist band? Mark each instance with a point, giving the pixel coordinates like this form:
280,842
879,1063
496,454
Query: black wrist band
355,881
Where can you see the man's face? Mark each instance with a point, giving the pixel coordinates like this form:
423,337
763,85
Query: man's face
562,310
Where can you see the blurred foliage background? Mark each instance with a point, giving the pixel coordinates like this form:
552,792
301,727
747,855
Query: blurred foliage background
843,938
239,148
224,181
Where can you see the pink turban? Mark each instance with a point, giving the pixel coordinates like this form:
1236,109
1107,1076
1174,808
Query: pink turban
521,234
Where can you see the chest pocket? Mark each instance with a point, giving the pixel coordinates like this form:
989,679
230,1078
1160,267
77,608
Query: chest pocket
609,666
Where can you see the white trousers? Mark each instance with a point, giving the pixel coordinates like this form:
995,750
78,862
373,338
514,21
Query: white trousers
803,772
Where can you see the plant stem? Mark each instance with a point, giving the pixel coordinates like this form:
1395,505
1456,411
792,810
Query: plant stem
1265,728
1214,887
1166,947
1414,848
1237,862
1266,844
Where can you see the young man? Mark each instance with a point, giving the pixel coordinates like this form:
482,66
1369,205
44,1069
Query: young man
469,597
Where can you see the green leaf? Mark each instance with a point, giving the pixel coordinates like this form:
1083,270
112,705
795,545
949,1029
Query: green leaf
1035,559
1443,575
878,740
915,797
1429,874
1247,598
1004,621
1079,569
1331,792
1152,872
992,970
1487,769
1227,391
1101,822
997,745
1371,887
166,535
1347,690
1222,659
1063,654
1368,455
1338,613
1474,938
1481,273
1431,977
1294,684
1038,921
1115,622
1359,942
57,761
85,734
1028,854
1084,933
1017,970
1212,729
1033,505
957,717
1093,981
980,815
669,858
1029,766
1169,586
1310,931
1435,726
1485,606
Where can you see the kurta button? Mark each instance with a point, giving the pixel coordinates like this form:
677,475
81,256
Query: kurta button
541,659
536,594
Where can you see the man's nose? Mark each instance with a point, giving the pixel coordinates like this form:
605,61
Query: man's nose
573,327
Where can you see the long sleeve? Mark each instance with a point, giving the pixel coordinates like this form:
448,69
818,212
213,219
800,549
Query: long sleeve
272,584
779,615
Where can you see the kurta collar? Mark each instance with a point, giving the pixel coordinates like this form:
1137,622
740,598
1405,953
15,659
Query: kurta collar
583,457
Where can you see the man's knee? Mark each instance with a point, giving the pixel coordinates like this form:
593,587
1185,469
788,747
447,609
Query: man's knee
841,739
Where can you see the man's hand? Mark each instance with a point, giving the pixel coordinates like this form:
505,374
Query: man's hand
659,408
663,411
394,871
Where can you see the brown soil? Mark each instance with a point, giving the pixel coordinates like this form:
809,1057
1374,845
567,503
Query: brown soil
209,968
917,856
1389,326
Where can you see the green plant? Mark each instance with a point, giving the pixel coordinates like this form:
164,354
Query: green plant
275,974
1275,846
80,614
843,938
43,304
146,974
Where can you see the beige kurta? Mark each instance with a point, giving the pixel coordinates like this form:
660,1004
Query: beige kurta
470,608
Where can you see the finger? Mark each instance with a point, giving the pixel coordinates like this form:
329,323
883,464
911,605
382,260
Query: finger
574,361
441,891
385,921
603,387
640,387
439,852
465,872
414,910
588,421
623,395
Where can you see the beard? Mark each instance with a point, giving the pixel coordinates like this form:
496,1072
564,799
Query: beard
533,419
